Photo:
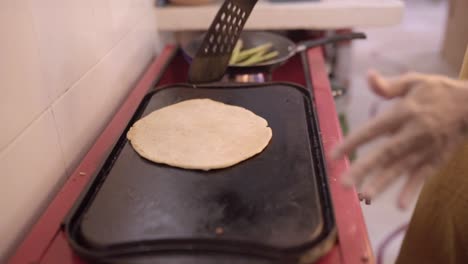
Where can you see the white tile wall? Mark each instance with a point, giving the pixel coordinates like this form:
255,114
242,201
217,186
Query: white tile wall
20,71
65,67
125,14
31,167
106,33
88,102
66,40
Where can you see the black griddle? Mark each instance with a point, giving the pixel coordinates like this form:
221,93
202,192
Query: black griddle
272,208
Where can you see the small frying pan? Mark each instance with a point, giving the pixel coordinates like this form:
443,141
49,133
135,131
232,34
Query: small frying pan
285,47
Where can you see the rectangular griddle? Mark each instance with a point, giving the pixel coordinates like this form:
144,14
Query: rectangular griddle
272,208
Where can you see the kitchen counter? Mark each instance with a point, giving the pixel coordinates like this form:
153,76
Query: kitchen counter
325,14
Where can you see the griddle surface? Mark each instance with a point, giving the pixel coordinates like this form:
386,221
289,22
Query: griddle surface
272,199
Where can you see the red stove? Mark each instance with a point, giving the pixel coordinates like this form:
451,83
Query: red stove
47,243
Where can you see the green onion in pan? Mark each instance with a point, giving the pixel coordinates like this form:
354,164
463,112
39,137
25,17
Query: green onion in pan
258,58
245,54
235,52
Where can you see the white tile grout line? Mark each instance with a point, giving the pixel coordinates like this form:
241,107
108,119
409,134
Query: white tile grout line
20,135
59,141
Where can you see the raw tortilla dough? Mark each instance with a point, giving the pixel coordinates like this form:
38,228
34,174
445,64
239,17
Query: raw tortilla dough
200,134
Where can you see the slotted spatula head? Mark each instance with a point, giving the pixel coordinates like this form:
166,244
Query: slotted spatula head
212,58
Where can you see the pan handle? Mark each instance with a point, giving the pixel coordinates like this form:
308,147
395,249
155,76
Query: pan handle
305,45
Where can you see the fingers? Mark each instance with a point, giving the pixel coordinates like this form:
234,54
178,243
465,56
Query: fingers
384,123
395,151
358,171
381,180
392,87
415,180
388,174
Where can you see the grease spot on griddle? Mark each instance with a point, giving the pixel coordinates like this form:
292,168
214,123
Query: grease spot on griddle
235,209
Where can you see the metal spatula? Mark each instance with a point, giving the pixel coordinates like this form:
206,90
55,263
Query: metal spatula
212,58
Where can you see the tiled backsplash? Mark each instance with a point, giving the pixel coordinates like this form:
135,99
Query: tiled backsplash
65,66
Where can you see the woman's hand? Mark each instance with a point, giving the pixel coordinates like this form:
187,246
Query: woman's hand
424,128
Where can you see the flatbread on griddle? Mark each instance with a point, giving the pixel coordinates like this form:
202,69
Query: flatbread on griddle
200,134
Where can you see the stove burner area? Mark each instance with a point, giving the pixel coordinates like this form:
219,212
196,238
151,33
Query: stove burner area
248,78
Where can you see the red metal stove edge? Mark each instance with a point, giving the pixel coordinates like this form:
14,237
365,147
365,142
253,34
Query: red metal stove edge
352,234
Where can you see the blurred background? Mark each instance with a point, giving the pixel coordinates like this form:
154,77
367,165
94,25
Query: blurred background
424,41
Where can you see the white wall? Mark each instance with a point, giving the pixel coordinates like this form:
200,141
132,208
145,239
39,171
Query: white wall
65,66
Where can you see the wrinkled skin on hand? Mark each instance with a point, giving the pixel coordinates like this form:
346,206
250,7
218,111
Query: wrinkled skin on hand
423,129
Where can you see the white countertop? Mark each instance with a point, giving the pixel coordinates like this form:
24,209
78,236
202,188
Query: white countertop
325,14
